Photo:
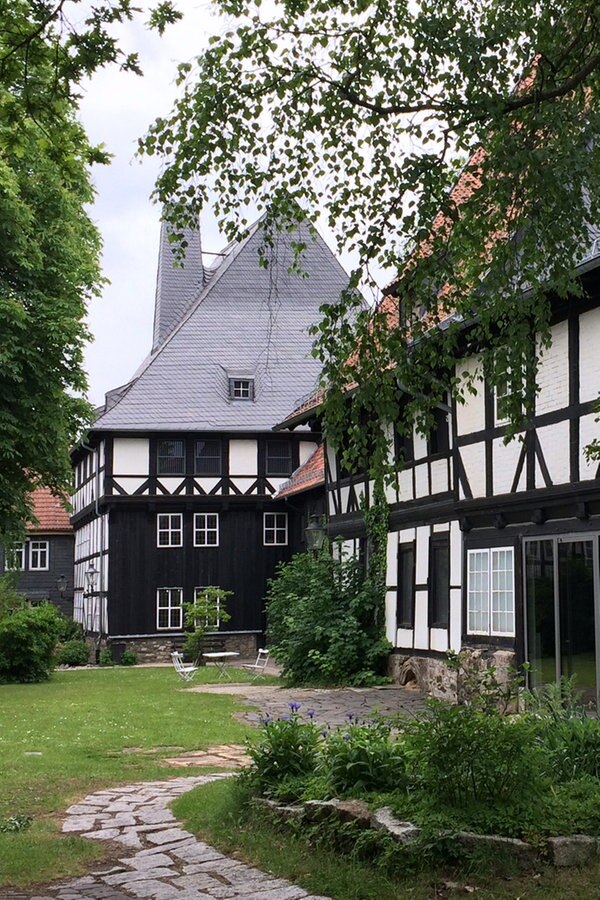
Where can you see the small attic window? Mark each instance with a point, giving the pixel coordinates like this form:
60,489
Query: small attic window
241,389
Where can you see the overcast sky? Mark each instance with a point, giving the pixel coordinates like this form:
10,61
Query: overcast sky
116,110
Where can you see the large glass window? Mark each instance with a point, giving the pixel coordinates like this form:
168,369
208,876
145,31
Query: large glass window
206,529
491,592
207,458
170,458
169,608
169,530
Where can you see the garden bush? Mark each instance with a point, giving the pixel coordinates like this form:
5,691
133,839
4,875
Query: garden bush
27,641
324,622
72,653
105,658
363,758
129,658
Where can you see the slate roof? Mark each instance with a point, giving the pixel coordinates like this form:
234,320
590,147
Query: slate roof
245,320
309,475
50,513
176,285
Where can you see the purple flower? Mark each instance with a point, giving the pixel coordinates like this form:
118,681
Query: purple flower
266,719
310,713
346,737
349,716
294,706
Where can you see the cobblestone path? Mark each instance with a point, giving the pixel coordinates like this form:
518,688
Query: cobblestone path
161,861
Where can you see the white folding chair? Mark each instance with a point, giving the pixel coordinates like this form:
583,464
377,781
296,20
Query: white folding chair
185,672
259,666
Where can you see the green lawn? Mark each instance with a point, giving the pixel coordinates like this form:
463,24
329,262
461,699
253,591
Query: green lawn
88,729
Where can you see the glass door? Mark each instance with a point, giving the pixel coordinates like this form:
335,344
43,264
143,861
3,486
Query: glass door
562,600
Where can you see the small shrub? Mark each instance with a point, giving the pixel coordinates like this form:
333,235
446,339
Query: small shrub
15,823
463,755
287,752
129,658
70,630
105,658
10,598
364,758
27,641
72,653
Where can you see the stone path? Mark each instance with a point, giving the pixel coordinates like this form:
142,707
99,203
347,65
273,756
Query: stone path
329,706
163,861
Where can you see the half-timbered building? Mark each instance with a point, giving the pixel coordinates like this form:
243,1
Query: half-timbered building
174,487
495,546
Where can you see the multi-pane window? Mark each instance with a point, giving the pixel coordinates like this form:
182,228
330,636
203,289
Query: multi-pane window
206,529
15,559
405,610
275,529
207,458
38,555
169,530
169,608
211,617
439,581
279,458
241,388
491,592
170,458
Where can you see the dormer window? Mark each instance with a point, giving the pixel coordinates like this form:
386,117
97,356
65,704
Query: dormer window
241,388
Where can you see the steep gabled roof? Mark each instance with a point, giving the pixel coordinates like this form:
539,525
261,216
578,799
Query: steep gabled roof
246,321
176,285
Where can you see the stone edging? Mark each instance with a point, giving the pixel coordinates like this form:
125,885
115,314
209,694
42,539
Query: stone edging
565,851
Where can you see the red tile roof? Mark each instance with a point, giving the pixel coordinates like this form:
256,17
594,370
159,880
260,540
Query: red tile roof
310,474
50,512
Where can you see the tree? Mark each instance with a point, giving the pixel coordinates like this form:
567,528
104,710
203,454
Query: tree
454,143
49,248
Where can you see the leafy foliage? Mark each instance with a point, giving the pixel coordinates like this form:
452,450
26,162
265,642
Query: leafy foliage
324,621
372,111
201,615
364,757
10,598
72,653
286,753
129,658
48,244
27,641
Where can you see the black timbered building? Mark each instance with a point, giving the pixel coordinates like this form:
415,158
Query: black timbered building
175,486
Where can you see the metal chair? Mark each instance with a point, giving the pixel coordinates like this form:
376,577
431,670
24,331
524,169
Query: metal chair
185,672
259,666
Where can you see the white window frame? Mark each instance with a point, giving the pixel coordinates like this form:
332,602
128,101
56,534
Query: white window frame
271,527
171,608
169,529
489,593
206,623
202,531
15,559
37,549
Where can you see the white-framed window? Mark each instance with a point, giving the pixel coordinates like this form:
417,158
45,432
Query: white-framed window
169,530
275,529
169,608
15,559
241,388
39,556
491,591
209,620
206,529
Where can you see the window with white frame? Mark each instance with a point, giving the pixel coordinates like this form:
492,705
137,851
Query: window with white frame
275,529
241,388
169,608
15,559
206,529
212,619
491,592
169,530
39,556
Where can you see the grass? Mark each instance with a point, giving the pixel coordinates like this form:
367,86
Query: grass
89,729
213,812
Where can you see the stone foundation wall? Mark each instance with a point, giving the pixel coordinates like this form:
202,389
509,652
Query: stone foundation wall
159,649
435,677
